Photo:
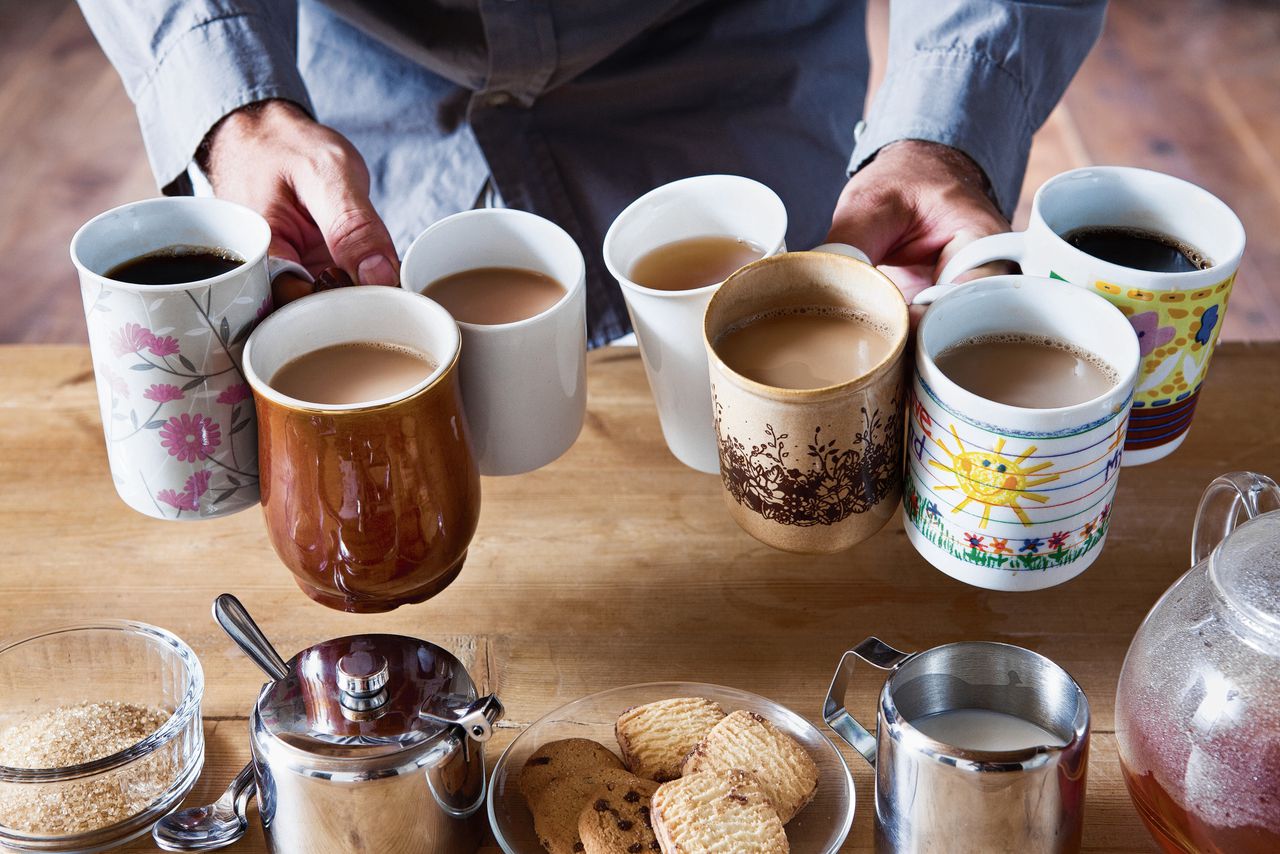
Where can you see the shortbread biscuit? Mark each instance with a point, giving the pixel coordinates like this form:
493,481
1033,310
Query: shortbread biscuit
616,818
563,758
747,741
558,804
655,738
719,812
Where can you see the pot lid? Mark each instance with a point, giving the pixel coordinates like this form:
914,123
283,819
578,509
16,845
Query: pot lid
372,696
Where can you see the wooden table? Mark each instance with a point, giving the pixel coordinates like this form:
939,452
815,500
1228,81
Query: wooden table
614,565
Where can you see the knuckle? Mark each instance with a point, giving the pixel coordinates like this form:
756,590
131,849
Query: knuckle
352,227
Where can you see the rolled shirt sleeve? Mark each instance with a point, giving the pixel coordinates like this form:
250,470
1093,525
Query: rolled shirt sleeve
186,65
981,77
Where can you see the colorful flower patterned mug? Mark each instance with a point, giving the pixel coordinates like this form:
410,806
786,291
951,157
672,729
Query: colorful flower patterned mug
176,409
1005,497
817,470
1177,316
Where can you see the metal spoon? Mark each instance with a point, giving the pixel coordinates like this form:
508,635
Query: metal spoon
236,622
204,828
224,821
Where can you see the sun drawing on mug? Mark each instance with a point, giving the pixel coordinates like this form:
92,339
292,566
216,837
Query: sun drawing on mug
993,479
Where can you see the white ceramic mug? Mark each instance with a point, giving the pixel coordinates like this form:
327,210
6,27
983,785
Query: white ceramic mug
524,384
1177,316
1006,497
176,409
668,324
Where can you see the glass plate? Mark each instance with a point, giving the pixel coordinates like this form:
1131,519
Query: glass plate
820,828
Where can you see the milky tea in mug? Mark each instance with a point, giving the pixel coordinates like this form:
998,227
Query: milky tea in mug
1033,372
694,262
493,295
344,374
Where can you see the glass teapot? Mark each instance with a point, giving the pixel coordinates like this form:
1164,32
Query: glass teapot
1198,705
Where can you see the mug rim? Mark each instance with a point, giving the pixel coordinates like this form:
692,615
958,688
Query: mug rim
926,360
1025,757
261,386
1184,280
570,290
250,259
863,380
615,227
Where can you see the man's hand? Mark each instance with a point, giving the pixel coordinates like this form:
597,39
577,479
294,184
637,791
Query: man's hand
312,187
912,208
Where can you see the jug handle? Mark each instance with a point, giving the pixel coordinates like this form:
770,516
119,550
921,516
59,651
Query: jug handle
1221,504
878,654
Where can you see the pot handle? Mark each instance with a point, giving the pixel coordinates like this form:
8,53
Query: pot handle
476,723
878,654
1220,507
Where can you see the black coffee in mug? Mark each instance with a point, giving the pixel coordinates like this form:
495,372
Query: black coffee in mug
1138,248
175,265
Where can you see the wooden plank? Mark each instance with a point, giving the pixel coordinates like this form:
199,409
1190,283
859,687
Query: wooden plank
613,565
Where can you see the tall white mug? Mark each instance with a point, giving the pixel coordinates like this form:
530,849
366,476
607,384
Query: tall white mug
524,384
668,324
177,413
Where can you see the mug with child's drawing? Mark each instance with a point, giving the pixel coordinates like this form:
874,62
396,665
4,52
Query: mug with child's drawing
1007,497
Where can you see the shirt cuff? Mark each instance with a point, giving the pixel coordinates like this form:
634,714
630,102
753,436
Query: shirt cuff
959,98
209,71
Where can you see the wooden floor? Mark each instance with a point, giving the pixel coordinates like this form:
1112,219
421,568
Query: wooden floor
1190,87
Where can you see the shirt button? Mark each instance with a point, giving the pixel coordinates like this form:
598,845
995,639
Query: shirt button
498,99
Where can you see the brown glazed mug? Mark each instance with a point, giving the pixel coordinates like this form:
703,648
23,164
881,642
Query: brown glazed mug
813,471
370,505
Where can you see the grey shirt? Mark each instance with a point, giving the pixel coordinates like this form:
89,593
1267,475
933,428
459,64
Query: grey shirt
576,107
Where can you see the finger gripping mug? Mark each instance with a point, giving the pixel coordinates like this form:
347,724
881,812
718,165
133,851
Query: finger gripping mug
932,796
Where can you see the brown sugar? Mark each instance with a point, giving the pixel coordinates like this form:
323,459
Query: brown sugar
72,735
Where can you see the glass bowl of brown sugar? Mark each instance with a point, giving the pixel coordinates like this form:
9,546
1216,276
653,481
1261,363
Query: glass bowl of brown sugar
100,734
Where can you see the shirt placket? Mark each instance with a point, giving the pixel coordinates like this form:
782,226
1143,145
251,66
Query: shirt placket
520,35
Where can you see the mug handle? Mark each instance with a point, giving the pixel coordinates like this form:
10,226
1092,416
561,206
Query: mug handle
843,249
1221,504
1009,246
878,654
276,266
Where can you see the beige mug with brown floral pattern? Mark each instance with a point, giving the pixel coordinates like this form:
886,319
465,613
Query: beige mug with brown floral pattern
810,470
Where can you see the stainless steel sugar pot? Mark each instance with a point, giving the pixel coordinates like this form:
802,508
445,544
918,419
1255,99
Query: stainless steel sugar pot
369,743
936,797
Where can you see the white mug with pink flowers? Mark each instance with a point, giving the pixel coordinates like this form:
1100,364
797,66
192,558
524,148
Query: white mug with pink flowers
177,412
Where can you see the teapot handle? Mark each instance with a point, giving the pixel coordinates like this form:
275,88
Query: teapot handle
1221,504
878,654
